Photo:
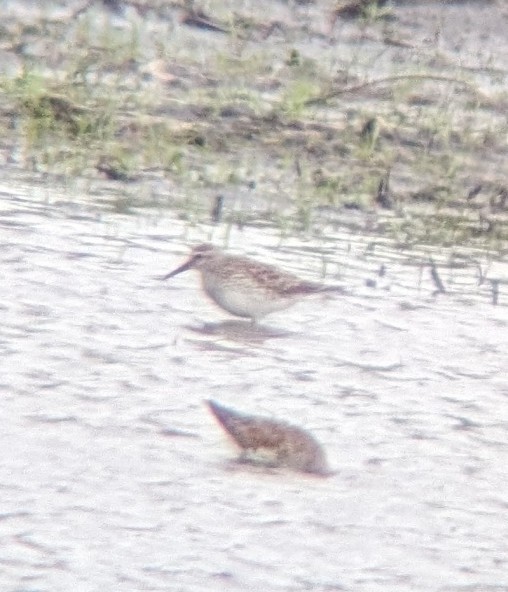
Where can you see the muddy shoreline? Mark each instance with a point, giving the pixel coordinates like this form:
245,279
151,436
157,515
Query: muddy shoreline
293,112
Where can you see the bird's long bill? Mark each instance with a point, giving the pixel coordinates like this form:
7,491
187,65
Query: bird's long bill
187,265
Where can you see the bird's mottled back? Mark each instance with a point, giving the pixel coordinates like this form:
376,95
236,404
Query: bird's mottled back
291,446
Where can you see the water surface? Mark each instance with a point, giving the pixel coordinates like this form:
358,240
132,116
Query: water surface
114,476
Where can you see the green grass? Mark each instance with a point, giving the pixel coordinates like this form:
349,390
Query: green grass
246,109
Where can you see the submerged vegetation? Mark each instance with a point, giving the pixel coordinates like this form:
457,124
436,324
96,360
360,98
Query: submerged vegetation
324,113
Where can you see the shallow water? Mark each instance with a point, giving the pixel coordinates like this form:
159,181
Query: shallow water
114,476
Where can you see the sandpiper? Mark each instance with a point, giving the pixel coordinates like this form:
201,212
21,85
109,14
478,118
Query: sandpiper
245,287
280,443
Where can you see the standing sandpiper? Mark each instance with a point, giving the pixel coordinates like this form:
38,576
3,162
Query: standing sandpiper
245,287
286,445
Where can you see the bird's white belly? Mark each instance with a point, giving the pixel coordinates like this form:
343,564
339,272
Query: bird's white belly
244,300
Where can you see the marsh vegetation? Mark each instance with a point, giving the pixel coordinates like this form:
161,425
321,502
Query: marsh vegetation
312,111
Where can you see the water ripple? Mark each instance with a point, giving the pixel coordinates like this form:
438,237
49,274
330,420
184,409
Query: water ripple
114,474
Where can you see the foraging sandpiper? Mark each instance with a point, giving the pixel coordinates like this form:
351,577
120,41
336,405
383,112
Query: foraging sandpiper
245,287
283,444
